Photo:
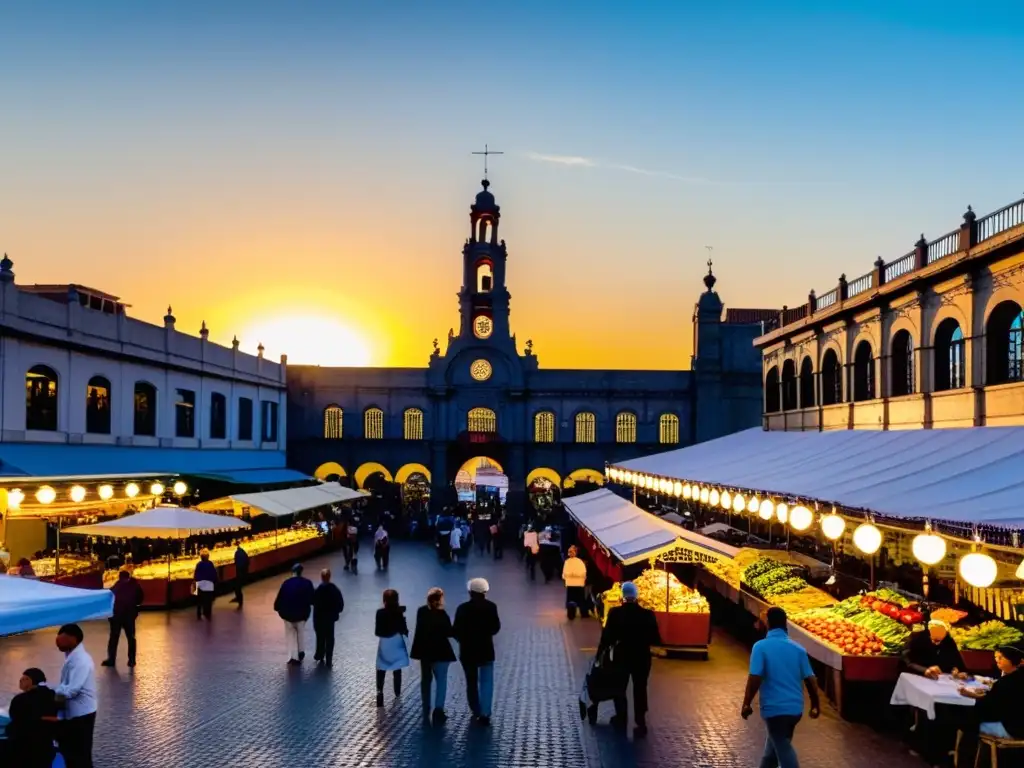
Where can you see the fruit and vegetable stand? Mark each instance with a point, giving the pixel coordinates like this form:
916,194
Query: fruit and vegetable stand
683,614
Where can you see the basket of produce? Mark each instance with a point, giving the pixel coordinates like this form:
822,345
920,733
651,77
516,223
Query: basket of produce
987,636
769,578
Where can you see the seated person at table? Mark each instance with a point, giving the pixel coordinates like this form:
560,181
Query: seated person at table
1000,711
933,652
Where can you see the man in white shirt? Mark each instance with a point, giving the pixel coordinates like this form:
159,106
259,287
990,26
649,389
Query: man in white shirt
76,694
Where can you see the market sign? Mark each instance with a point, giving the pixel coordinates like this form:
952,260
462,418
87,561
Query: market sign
699,551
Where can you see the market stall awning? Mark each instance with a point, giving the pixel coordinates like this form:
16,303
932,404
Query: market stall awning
969,475
27,604
286,502
630,533
161,523
266,476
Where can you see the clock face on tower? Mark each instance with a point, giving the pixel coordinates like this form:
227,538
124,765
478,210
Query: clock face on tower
480,370
483,326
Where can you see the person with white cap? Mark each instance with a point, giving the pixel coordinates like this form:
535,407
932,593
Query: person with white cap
630,632
476,624
294,604
933,652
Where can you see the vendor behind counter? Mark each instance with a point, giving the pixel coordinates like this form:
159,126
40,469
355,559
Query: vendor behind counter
933,652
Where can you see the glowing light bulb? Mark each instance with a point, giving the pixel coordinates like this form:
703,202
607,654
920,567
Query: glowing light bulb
867,538
180,489
767,510
131,490
978,569
106,492
800,518
14,498
929,548
833,526
46,495
739,504
77,494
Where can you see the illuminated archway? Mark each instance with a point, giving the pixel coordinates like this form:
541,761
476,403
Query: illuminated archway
403,474
478,462
370,468
585,476
546,473
328,470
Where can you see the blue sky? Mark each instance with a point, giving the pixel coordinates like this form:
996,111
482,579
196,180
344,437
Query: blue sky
317,155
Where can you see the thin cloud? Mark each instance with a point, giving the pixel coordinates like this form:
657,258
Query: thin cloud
579,161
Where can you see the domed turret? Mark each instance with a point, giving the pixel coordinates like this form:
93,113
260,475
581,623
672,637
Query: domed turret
485,200
484,215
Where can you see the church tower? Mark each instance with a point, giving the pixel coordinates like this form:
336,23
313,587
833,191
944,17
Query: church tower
484,299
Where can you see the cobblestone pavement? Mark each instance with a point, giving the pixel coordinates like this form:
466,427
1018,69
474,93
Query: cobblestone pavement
220,694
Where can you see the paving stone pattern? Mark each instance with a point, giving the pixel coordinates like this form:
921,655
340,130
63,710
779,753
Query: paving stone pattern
220,694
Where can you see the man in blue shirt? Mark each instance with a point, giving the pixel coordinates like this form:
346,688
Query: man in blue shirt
779,669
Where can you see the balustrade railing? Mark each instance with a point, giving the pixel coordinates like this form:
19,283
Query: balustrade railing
998,222
981,229
944,246
861,284
899,267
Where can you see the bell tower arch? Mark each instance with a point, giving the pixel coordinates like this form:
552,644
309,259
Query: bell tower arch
484,299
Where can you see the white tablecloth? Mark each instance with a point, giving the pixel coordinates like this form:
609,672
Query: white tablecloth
922,693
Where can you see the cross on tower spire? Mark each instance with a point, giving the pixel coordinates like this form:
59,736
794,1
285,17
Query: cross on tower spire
487,153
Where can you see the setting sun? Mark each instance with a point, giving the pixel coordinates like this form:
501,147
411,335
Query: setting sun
310,340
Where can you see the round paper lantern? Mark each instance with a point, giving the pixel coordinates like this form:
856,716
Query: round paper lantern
833,526
726,501
767,510
106,492
739,504
929,548
14,498
782,512
180,489
753,505
867,538
705,496
978,569
157,489
800,518
131,490
46,495
714,497
77,494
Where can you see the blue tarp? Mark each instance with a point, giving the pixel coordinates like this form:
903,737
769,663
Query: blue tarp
48,460
256,476
27,604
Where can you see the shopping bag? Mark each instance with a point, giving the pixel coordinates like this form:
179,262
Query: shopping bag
605,680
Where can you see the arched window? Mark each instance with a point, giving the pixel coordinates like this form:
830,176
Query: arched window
218,416
902,364
373,424
586,427
863,372
950,371
1003,344
625,427
831,379
807,399
789,385
668,429
41,398
771,390
145,409
333,422
97,406
484,277
412,424
482,420
544,427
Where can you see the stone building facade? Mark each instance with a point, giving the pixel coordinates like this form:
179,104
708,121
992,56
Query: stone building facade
485,395
930,339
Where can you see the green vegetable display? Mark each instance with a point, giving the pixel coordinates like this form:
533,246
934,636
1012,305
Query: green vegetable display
784,587
768,577
987,636
760,567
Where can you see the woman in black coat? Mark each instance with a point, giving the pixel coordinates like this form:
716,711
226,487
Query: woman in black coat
432,647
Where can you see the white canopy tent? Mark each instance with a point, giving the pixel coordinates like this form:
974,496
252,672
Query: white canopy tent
287,501
161,523
630,533
27,604
970,475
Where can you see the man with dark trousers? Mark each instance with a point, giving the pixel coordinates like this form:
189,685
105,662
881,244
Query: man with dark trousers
241,573
327,607
127,601
630,632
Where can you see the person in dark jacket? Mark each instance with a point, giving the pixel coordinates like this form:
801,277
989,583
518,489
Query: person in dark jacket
205,578
391,630
127,601
327,607
293,604
432,647
29,735
630,632
476,624
933,652
1000,712
241,573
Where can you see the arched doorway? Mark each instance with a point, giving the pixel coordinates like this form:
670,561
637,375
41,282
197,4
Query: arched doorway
582,481
331,471
543,489
414,485
482,481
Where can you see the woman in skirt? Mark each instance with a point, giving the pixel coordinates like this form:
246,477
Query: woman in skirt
392,654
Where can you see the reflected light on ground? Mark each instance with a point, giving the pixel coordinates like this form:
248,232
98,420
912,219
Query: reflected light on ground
309,340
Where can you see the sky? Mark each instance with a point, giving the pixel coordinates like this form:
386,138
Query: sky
300,173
